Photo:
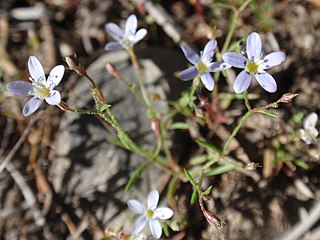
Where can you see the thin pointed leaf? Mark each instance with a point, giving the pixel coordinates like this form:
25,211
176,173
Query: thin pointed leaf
209,146
300,163
220,169
136,174
189,176
165,229
194,196
181,125
268,112
208,190
104,107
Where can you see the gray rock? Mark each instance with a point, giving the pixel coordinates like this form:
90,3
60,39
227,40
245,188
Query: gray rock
86,165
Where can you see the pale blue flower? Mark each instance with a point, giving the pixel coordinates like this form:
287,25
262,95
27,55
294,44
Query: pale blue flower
254,65
149,214
40,87
125,38
202,65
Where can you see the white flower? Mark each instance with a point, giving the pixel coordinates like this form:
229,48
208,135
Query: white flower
309,132
40,87
150,215
127,38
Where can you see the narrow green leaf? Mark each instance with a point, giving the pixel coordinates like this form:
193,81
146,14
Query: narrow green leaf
189,176
180,125
208,190
220,169
104,107
268,112
136,174
194,196
209,146
300,163
165,228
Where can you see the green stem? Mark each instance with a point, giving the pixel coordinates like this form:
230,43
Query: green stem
235,131
246,100
233,25
140,80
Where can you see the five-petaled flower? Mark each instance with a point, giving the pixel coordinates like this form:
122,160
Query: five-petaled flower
127,38
309,132
150,215
40,87
254,66
202,65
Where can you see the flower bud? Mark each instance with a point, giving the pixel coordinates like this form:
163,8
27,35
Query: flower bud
63,106
213,219
252,166
74,65
112,70
287,97
155,126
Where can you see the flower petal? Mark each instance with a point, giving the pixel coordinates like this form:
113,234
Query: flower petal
31,106
190,54
219,66
310,121
131,25
54,98
208,51
188,74
140,35
235,59
139,225
163,213
55,76
267,82
113,46
136,206
242,82
207,81
254,46
114,30
273,59
155,228
20,88
35,69
153,199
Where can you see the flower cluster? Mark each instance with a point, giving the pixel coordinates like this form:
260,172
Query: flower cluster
149,214
40,87
254,65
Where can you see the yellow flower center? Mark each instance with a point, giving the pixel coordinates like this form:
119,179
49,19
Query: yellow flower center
149,213
41,90
201,67
252,67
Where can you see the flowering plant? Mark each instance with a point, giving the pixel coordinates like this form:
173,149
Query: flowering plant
210,119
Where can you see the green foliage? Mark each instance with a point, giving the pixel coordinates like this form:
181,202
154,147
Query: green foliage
268,113
135,176
219,170
209,146
190,177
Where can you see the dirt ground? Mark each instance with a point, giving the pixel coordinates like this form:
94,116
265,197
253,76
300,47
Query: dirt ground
273,201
